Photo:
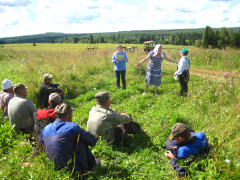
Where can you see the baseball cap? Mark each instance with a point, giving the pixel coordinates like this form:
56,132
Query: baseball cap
46,76
55,97
6,84
62,110
178,130
184,50
17,87
101,96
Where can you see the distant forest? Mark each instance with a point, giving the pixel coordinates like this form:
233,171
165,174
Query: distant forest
205,37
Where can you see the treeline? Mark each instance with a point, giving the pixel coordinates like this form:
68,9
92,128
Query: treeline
213,37
220,39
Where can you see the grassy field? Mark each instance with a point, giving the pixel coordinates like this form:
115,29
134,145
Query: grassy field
212,107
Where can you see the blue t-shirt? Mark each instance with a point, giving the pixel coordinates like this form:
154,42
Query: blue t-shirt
193,149
120,64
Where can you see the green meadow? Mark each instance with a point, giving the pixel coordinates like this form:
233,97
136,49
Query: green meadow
212,107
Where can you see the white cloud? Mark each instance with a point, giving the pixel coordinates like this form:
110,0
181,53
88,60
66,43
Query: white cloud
21,17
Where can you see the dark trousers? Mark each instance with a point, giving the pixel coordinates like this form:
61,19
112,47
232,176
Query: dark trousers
122,74
183,79
122,131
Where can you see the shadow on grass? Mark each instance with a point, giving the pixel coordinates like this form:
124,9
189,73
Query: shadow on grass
133,143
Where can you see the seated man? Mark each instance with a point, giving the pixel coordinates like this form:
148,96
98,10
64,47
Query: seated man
21,109
66,143
183,143
46,88
109,124
6,95
45,116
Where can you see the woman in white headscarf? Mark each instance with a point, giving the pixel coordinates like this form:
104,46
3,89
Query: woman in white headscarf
154,74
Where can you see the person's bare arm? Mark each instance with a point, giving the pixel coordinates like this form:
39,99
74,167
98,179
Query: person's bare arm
170,60
143,61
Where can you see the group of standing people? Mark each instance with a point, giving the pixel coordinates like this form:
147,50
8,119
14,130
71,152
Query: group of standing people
154,71
66,143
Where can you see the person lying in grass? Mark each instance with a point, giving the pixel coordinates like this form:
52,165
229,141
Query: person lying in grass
183,143
109,124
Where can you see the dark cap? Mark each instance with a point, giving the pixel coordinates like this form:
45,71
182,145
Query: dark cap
17,87
179,130
63,110
102,96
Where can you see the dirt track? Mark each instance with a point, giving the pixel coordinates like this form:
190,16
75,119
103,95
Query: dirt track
211,74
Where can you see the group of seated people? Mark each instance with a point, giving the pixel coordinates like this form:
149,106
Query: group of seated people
66,143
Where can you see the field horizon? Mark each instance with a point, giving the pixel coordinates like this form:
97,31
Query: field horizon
212,107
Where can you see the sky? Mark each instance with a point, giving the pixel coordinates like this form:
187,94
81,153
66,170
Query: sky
27,17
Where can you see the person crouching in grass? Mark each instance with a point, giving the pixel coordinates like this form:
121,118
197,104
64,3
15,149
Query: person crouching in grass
183,143
183,71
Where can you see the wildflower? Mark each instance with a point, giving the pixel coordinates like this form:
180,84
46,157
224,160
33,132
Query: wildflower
108,62
215,114
227,161
227,73
216,108
164,127
232,79
226,110
238,116
200,91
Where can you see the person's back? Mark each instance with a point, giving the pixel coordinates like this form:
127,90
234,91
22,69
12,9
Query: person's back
20,112
198,143
66,143
102,122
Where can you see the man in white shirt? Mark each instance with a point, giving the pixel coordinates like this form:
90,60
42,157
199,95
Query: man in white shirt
183,71
6,95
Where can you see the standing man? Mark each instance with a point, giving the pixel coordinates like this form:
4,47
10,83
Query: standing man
66,143
6,95
109,124
46,88
21,109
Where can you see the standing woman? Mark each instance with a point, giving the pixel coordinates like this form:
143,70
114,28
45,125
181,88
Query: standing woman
119,58
154,74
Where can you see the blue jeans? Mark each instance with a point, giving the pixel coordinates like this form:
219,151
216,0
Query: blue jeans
122,73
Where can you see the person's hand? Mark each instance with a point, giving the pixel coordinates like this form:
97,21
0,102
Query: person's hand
169,155
123,59
138,64
116,60
176,62
174,148
123,113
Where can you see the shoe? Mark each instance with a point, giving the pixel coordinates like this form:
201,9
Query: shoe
156,94
143,93
117,87
143,131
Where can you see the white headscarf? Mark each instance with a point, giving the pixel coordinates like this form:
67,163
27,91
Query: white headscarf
155,50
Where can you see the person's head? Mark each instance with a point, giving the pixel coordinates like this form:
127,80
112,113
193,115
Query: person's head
54,99
184,52
47,78
7,86
64,111
180,132
20,89
103,98
119,47
157,49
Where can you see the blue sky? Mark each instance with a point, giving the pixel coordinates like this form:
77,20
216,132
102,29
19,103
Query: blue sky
26,17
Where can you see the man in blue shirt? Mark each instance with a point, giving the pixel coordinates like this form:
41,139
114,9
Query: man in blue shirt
183,143
66,143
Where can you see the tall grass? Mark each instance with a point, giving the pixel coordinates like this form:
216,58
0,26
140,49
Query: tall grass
212,107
